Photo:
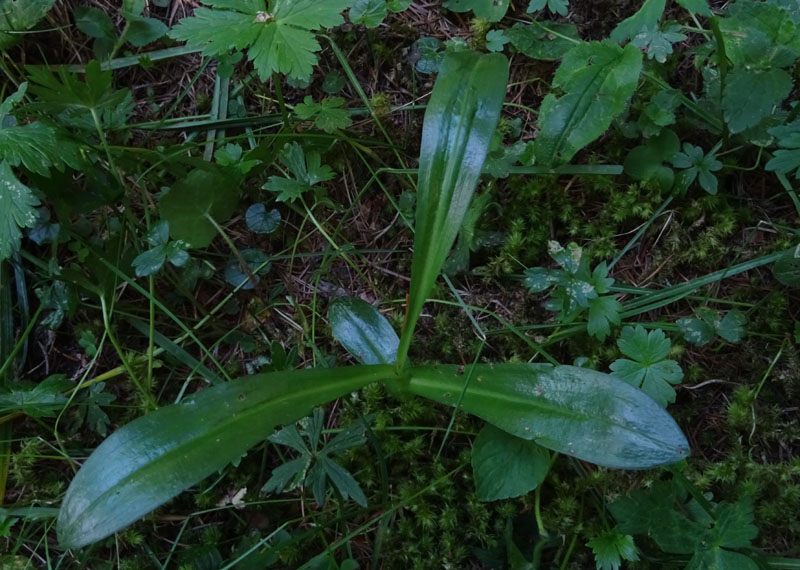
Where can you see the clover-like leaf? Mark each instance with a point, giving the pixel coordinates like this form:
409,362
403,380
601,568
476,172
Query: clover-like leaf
163,250
559,7
327,115
697,165
649,368
308,171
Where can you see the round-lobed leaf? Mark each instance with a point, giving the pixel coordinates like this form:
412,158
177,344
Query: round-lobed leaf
506,466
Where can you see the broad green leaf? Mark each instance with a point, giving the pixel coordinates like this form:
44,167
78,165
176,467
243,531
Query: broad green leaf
751,94
155,457
19,16
364,332
371,13
261,221
399,5
787,269
696,6
94,22
17,210
492,10
143,31
611,548
596,80
649,369
646,162
696,331
576,411
760,35
506,466
548,41
328,114
279,38
257,262
648,16
191,201
460,120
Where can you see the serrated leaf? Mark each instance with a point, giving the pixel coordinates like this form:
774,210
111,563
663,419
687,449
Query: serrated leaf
43,400
505,466
19,16
492,10
547,41
188,203
307,170
596,80
328,114
261,221
76,103
611,548
721,559
39,147
653,512
280,39
734,526
555,6
751,94
371,13
648,16
760,35
649,369
364,332
658,41
603,312
576,411
17,210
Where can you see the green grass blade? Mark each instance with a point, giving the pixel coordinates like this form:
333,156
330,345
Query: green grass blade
459,123
155,457
576,411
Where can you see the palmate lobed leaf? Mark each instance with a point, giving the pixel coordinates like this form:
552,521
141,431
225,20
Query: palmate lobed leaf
17,210
575,411
278,37
156,456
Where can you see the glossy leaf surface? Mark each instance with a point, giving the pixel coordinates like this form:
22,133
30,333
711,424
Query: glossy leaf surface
364,332
155,457
460,120
576,411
